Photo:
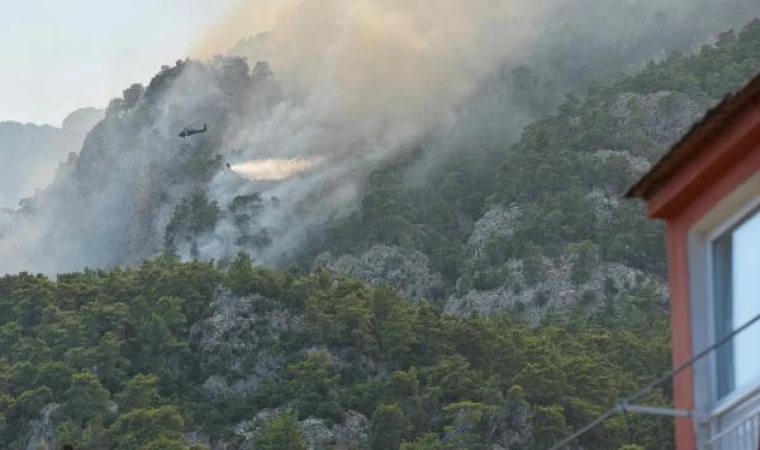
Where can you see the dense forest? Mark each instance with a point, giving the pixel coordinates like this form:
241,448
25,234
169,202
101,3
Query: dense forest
231,355
120,359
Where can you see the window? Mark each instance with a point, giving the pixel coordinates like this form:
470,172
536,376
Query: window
736,296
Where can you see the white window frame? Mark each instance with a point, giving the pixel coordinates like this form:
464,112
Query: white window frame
735,207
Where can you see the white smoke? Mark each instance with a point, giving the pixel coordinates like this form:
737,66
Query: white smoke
274,169
364,80
367,78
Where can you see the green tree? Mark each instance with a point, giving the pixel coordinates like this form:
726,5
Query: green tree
281,432
166,443
311,383
549,426
585,261
146,427
141,392
428,441
86,399
390,427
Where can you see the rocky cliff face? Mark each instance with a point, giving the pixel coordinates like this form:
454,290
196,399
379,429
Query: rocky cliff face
407,271
497,222
239,344
661,117
556,291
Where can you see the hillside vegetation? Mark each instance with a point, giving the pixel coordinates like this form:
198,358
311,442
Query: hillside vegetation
501,220
533,296
135,359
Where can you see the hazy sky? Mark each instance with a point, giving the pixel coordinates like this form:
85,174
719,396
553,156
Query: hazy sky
59,55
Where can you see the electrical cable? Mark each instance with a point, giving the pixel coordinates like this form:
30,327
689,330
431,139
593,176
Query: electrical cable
657,381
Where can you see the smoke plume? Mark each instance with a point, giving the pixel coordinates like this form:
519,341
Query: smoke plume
366,79
363,81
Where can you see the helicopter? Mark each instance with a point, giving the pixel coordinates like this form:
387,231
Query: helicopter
188,131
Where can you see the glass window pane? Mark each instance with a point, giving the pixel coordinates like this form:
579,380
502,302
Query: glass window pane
746,300
736,290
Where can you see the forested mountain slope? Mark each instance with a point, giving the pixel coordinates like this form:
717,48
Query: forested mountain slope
175,353
231,355
542,225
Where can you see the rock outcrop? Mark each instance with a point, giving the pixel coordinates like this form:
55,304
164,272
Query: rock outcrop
407,271
240,340
352,433
556,291
499,221
661,117
41,432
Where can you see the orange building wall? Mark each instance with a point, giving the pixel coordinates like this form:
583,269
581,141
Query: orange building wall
727,162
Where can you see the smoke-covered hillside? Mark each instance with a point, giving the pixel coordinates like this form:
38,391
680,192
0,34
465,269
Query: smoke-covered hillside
540,228
31,153
384,80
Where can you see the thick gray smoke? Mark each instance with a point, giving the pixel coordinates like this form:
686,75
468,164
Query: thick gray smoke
360,82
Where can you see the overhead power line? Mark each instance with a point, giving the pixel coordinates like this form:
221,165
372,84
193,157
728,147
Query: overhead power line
622,406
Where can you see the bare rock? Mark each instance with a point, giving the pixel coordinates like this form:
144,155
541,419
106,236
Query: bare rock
196,437
661,116
318,435
407,271
497,222
638,164
555,292
41,432
602,205
353,432
240,338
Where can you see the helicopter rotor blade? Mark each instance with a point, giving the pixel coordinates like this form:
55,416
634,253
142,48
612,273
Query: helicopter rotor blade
192,124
